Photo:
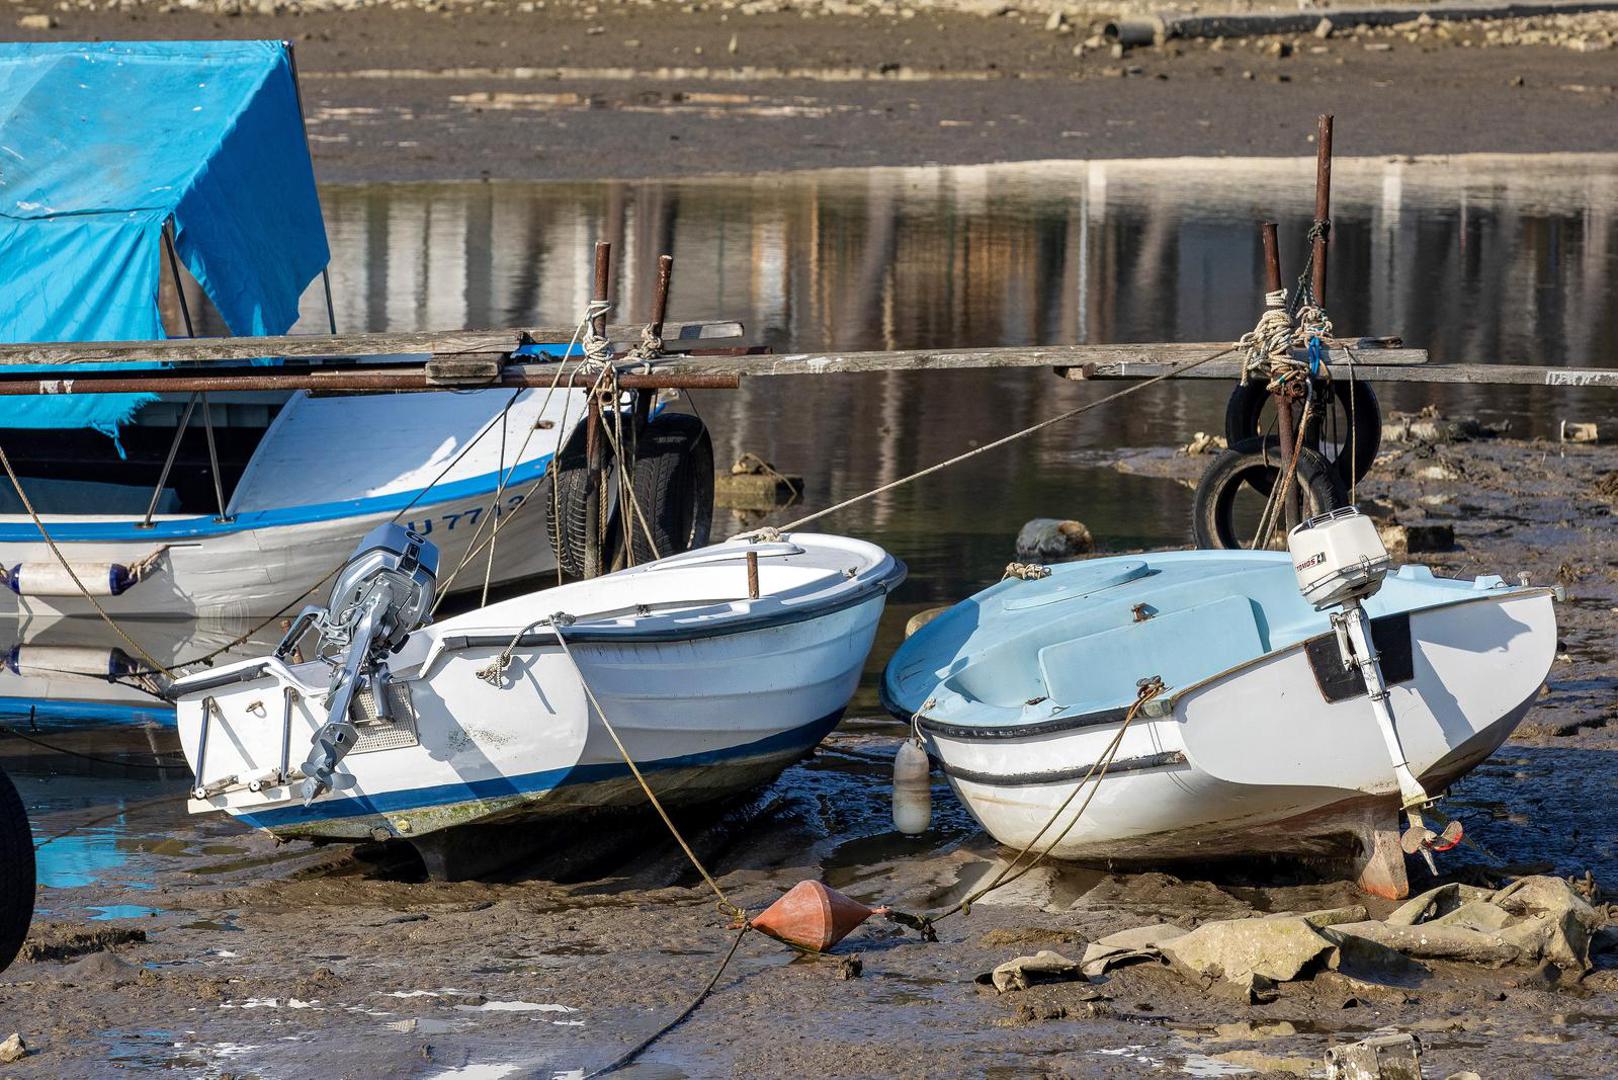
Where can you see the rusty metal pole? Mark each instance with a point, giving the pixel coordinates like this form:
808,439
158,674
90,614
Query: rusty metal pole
595,459
1285,425
752,575
1322,206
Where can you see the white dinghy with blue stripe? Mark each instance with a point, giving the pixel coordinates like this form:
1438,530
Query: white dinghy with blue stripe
390,730
1261,741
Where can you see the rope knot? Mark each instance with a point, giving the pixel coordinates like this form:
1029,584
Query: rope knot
1026,571
494,674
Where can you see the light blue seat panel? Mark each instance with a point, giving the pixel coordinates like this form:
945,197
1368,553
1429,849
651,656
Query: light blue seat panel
1100,671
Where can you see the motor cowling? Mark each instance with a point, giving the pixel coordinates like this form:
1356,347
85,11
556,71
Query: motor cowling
1338,557
384,592
407,564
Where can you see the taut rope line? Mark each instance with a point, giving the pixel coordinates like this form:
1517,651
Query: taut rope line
986,447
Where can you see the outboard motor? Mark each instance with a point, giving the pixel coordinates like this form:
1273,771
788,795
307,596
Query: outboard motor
383,593
1340,562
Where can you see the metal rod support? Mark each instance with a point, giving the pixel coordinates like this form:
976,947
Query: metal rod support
174,269
213,458
752,575
168,462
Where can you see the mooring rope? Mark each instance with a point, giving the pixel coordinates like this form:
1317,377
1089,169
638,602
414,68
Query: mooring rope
995,445
557,622
1149,689
28,505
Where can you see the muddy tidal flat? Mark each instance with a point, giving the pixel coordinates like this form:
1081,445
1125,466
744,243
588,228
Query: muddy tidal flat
199,948
579,89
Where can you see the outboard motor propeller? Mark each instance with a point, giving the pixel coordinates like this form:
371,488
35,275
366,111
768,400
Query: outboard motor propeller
1340,561
383,593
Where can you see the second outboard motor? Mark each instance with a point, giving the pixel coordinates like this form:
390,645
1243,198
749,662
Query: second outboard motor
384,592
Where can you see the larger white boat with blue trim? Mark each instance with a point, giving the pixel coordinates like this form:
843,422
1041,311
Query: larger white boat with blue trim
712,671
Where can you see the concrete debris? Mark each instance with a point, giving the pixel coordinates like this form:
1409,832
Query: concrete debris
1251,955
1395,1056
1533,920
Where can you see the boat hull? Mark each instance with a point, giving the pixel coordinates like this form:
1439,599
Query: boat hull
705,711
1257,759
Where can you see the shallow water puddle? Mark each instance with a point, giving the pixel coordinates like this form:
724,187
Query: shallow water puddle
121,911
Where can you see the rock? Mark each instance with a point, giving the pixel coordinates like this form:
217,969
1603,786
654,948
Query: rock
37,22
1056,21
13,1049
1323,29
1416,539
1204,443
1048,540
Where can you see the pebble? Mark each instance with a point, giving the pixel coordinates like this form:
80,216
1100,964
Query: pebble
37,22
13,1049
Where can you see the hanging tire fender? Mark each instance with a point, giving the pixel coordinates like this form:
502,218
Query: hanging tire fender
1244,420
1255,462
674,487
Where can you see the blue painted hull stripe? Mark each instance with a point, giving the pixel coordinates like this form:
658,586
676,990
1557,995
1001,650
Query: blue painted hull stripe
23,532
799,738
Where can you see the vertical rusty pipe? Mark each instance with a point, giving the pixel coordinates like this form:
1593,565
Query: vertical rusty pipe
1322,205
660,299
752,575
1272,257
595,458
603,280
1285,426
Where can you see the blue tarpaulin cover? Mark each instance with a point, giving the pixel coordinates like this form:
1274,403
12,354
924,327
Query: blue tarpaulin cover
100,145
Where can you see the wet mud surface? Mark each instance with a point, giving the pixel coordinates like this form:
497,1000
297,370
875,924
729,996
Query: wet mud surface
200,948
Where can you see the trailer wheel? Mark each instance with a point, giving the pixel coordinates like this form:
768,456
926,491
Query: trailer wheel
568,506
1349,436
16,872
1230,498
673,487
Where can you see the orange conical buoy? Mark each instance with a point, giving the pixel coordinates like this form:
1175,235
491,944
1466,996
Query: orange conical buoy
812,916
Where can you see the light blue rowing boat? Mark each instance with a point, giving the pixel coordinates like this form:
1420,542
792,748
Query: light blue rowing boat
1261,739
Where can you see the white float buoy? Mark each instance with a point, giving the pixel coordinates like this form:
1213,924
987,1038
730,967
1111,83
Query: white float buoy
912,789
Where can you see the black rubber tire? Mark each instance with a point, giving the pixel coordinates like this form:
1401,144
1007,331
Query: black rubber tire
568,509
673,486
1244,419
16,872
1256,463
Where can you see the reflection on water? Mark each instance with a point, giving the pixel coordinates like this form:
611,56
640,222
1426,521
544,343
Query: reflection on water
1479,259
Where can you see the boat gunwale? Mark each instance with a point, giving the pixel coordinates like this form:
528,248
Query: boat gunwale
579,633
1143,762
878,586
1103,717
